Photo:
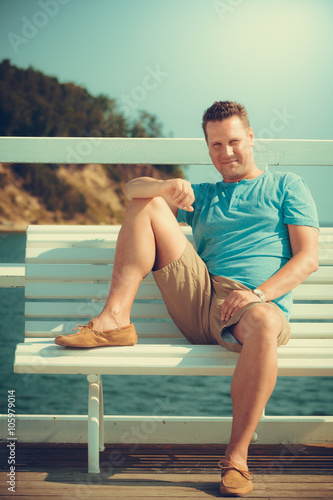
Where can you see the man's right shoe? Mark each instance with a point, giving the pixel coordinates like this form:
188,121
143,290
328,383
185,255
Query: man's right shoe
236,481
88,337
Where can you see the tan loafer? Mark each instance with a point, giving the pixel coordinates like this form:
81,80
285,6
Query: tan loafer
88,337
235,479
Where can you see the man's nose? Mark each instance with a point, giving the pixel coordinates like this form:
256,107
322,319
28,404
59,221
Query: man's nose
229,151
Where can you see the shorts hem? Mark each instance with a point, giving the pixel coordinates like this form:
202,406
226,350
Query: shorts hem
282,339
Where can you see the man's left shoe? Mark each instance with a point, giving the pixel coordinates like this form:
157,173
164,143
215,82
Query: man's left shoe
236,481
88,337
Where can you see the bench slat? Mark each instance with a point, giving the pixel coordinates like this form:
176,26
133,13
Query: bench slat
314,367
107,240
70,228
43,232
84,237
163,329
43,229
311,330
91,272
313,292
70,255
312,311
99,255
155,342
68,273
55,229
46,231
146,310
296,348
89,310
146,291
145,329
323,275
46,357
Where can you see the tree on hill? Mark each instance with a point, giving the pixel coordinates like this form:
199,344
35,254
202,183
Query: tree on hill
36,105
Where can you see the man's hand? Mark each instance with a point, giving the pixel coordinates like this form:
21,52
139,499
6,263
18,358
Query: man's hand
177,192
235,301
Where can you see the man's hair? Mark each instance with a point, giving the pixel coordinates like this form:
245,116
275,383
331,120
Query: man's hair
221,110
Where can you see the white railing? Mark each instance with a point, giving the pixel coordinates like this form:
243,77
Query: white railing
155,151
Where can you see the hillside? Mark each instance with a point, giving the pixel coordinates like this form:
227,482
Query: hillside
36,105
86,195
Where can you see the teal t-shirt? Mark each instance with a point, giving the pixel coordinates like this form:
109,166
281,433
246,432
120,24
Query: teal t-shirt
240,229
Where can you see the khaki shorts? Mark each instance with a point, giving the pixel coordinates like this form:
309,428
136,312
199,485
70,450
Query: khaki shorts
193,298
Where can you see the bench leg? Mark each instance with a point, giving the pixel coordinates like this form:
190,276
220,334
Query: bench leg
101,417
94,423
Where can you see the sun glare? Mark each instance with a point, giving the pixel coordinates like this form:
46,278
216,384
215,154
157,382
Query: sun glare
271,37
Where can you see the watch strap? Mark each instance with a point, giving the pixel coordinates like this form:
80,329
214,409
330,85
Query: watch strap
259,294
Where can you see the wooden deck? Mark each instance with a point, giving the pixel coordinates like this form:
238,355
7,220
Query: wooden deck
159,471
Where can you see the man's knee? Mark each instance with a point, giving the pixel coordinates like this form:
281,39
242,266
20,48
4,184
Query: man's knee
146,208
259,324
155,204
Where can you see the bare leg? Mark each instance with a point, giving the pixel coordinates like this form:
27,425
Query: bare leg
150,238
254,378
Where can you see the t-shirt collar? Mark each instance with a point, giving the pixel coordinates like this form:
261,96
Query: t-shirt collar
244,181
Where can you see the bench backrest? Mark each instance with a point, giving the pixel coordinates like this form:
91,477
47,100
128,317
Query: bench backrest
68,275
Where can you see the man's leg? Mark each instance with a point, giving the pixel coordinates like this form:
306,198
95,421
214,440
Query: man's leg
150,238
255,376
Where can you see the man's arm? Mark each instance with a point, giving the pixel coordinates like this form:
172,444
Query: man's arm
178,193
304,242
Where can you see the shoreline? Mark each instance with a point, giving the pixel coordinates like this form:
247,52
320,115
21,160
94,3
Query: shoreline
22,228
13,229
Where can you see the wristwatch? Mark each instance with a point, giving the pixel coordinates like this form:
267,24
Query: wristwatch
260,294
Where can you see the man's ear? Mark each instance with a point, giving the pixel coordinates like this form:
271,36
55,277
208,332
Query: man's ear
251,136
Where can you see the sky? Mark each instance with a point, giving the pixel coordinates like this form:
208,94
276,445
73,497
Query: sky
174,58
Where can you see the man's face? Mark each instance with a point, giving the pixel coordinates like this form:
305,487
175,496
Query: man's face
230,148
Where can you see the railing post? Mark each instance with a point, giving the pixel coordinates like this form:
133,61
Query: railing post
93,423
101,417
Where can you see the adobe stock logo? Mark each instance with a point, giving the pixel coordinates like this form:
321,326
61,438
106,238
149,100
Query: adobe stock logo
223,8
30,27
151,81
278,123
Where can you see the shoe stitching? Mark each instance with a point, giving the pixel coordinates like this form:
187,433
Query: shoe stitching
226,465
97,332
88,327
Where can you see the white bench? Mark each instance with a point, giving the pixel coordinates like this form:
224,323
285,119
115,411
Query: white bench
68,270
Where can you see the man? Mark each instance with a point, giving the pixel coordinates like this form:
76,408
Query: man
257,237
